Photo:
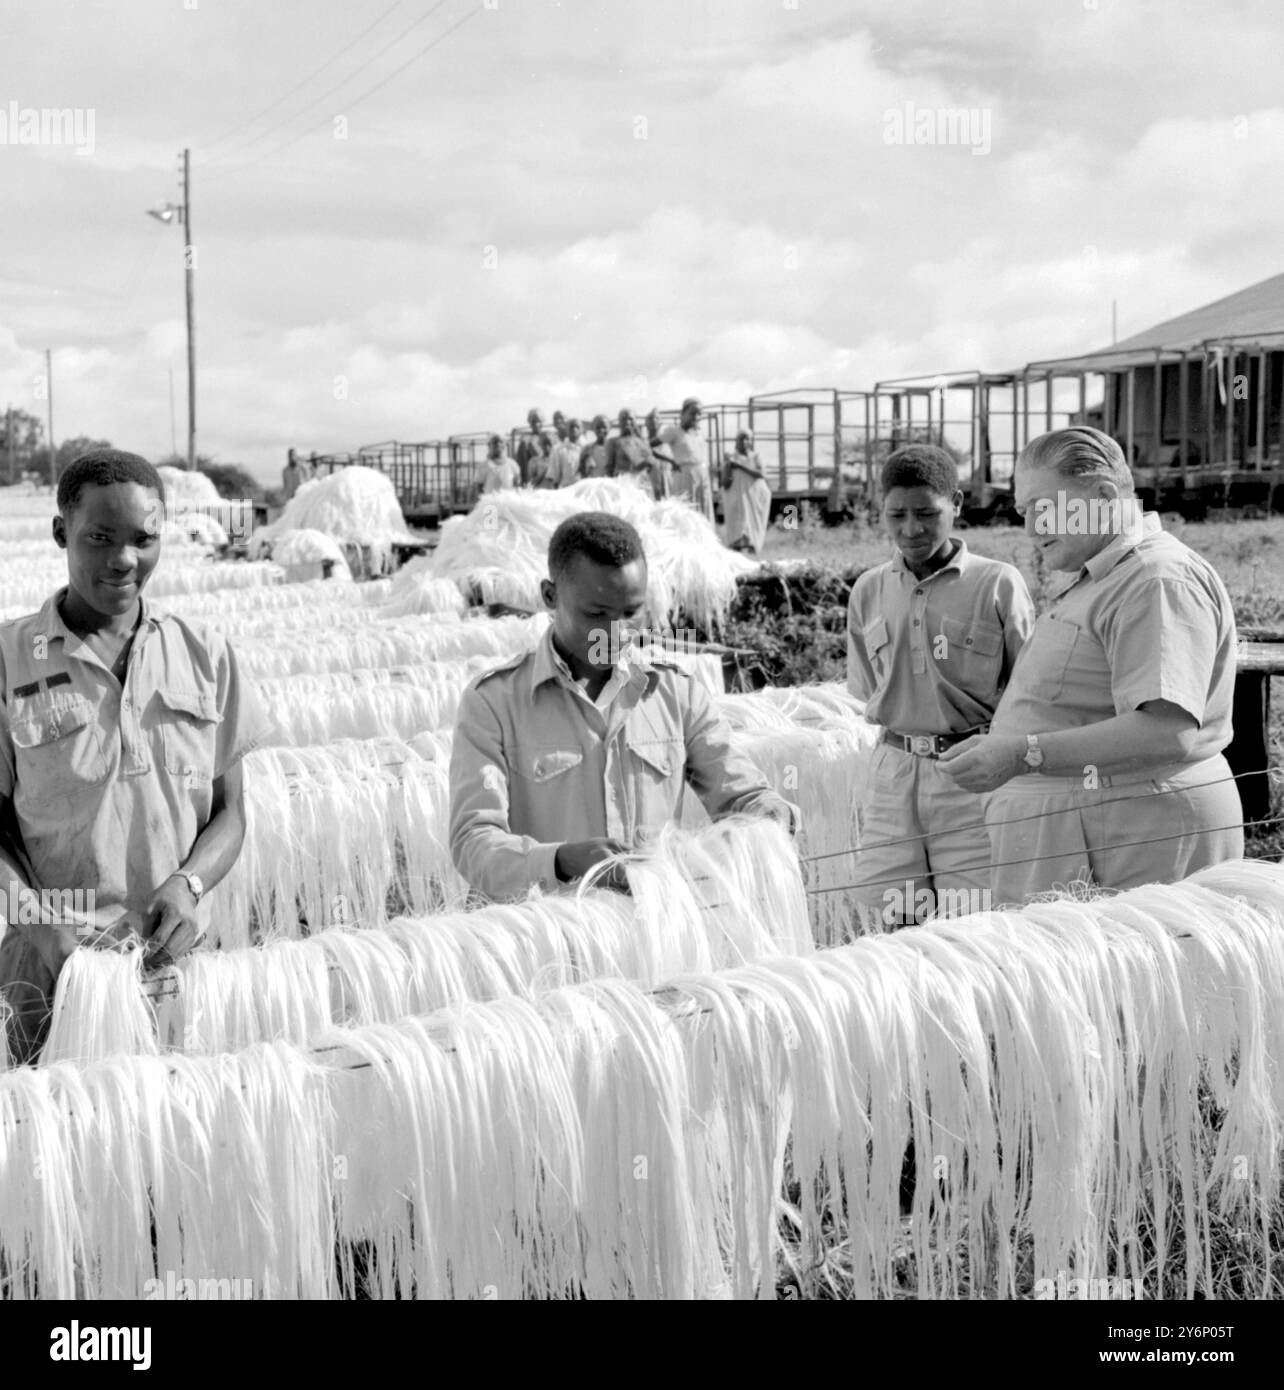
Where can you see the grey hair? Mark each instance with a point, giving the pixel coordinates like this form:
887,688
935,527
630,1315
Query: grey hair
1079,452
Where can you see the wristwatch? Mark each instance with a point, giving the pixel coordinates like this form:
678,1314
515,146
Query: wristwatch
193,882
1033,753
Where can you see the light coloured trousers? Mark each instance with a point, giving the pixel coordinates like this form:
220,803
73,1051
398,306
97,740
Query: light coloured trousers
1047,832
924,847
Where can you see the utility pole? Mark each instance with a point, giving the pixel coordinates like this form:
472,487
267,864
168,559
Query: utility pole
189,263
53,453
173,426
1114,322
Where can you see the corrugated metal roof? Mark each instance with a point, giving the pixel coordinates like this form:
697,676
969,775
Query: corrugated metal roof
1257,311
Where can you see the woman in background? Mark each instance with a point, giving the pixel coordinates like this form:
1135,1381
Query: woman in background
746,496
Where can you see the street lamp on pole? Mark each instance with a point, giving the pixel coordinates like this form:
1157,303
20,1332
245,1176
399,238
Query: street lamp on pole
182,214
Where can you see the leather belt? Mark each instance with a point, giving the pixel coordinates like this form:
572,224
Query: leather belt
928,745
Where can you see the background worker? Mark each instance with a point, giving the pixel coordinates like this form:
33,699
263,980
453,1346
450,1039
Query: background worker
498,470
628,455
1112,728
573,752
540,471
746,497
593,455
662,474
528,446
932,639
690,457
122,731
566,456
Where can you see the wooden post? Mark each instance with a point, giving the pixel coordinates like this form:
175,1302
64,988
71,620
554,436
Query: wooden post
190,271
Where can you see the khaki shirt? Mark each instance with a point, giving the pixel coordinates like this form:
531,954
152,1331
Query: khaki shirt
112,785
1145,619
536,764
930,656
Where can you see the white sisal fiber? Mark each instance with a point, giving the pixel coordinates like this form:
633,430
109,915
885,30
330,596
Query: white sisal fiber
1089,1088
406,642
821,770
357,506
501,548
222,1162
703,902
186,488
464,1154
98,1008
201,579
307,547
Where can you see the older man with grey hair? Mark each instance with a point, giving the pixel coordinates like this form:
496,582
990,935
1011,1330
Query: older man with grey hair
1104,757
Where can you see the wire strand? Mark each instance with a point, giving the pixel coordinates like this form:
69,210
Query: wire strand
1037,815
1037,858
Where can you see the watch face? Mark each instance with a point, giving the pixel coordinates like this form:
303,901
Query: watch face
195,884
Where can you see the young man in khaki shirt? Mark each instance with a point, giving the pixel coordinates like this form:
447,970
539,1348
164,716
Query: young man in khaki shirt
122,731
1112,728
932,637
573,752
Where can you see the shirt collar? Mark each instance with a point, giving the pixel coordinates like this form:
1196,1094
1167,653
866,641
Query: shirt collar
548,666
1138,530
53,625
958,562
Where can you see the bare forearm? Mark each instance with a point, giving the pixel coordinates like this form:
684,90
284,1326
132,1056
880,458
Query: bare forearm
1127,743
217,847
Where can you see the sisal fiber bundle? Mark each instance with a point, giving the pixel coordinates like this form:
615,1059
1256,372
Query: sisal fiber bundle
208,1169
357,506
98,1007
500,549
406,642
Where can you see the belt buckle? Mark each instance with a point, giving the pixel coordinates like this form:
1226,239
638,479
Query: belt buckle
922,745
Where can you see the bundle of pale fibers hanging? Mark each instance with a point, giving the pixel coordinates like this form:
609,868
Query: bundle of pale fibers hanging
404,642
461,1151
209,1169
331,834
701,902
1047,1066
98,1007
500,548
357,506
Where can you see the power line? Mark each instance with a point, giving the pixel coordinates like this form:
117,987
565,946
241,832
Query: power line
342,82
312,76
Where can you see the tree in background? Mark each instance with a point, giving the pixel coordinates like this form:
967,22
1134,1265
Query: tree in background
30,455
230,479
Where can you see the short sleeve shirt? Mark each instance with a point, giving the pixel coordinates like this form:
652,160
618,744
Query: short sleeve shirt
111,784
1145,619
687,447
931,655
536,764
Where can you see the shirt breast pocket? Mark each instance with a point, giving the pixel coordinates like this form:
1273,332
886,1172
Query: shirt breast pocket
58,751
975,652
546,764
189,725
657,767
877,641
1051,649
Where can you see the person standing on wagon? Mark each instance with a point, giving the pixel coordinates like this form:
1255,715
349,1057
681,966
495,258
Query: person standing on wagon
932,639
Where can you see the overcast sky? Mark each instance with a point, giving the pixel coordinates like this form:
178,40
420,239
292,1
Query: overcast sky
583,203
